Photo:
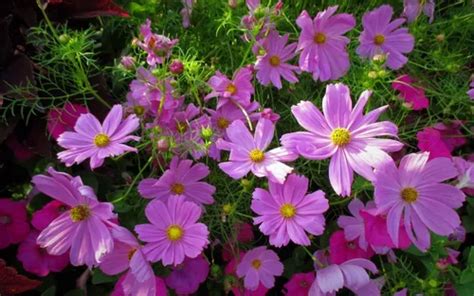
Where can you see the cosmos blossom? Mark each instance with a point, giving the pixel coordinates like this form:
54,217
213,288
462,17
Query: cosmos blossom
383,36
41,218
173,233
414,193
273,64
299,284
441,139
187,276
413,8
470,92
91,139
127,256
158,47
413,95
259,265
286,212
14,226
248,152
83,229
465,174
343,134
323,45
63,119
342,250
182,179
239,89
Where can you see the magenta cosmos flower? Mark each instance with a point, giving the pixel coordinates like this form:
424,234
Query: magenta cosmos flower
273,64
160,288
239,89
413,95
342,250
96,141
259,265
63,119
84,228
128,256
381,36
299,284
186,277
413,8
182,179
36,260
236,285
247,152
14,225
413,193
42,218
174,232
351,274
287,212
322,44
343,134
158,47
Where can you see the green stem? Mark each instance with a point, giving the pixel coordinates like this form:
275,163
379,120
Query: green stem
140,173
46,18
244,215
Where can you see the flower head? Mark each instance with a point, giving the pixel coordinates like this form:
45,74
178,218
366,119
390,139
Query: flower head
273,64
239,89
83,228
36,260
63,119
470,92
465,174
259,265
174,233
441,139
413,95
96,141
413,8
287,212
248,152
52,210
343,134
186,277
323,45
382,36
342,250
158,47
14,225
414,194
181,180
299,284
159,290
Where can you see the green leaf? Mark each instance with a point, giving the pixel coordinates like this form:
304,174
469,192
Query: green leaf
51,291
98,277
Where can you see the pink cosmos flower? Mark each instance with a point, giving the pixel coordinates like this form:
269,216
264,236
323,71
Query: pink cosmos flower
186,277
470,92
354,225
413,8
267,113
36,260
299,284
381,36
413,95
127,256
182,179
239,89
287,212
273,64
96,141
160,287
413,193
128,62
174,232
14,225
158,47
351,274
259,265
342,250
323,45
84,228
343,134
52,210
465,174
63,119
247,152
237,289
441,139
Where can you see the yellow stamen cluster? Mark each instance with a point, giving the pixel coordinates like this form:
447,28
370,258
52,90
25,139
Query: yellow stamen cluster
256,263
275,61
340,136
80,213
222,123
177,188
409,194
256,155
231,88
101,140
319,38
174,232
287,211
379,39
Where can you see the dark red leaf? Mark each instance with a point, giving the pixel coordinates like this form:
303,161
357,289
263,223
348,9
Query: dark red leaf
12,283
90,8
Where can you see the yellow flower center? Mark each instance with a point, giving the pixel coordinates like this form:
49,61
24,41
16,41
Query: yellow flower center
222,123
80,213
275,61
379,39
287,211
409,194
130,253
181,127
174,233
139,110
319,38
340,136
227,208
177,188
257,155
256,263
101,140
231,88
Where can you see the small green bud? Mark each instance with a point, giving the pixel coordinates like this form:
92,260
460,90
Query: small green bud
64,38
372,74
207,133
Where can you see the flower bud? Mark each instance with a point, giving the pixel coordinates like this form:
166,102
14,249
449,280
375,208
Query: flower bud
176,67
128,62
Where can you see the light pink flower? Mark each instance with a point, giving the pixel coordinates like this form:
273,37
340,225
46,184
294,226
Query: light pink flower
14,225
158,47
413,8
239,89
323,45
83,230
160,287
343,134
236,287
465,173
259,265
248,152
